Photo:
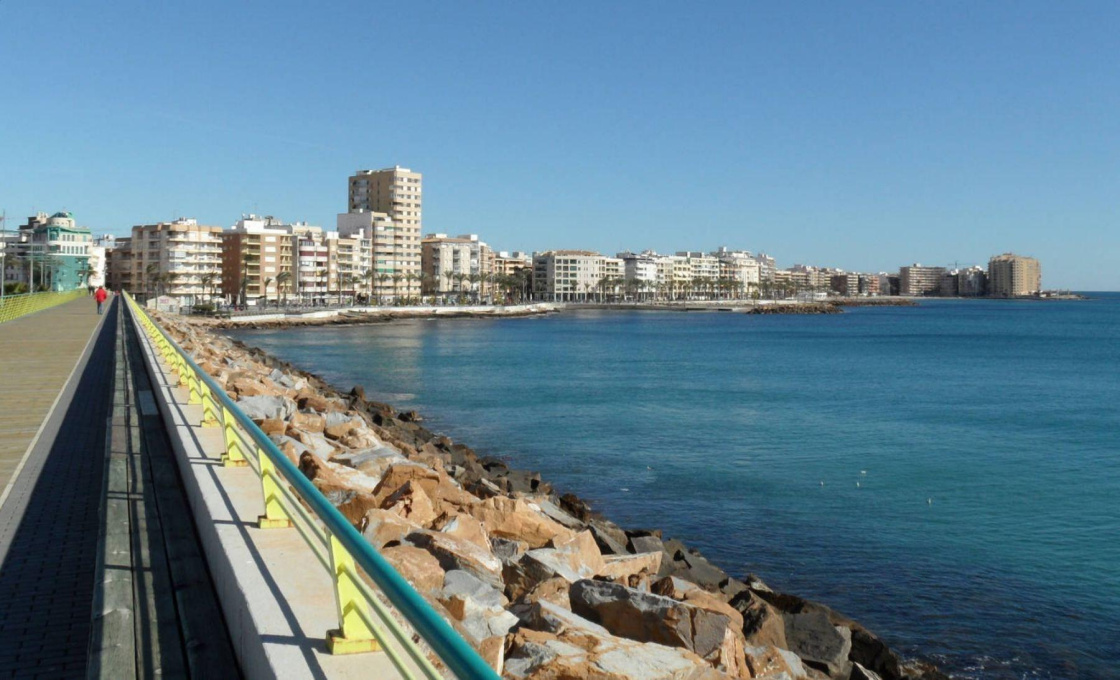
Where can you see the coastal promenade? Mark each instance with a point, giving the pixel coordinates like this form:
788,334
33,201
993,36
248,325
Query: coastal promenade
100,571
38,353
55,380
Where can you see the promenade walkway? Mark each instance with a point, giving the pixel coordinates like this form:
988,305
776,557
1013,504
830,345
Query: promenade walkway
49,520
101,574
37,355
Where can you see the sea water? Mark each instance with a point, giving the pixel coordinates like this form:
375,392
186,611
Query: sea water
947,474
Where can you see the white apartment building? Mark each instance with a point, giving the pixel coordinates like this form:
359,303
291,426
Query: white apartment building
97,266
767,266
640,267
447,263
570,275
740,269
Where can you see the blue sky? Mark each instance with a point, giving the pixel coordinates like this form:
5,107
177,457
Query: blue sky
858,135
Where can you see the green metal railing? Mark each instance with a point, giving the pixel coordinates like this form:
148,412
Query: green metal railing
292,501
15,306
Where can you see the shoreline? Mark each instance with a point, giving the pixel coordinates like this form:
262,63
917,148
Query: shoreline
770,619
363,315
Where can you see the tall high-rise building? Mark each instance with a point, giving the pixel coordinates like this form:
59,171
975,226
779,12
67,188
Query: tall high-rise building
396,193
1011,275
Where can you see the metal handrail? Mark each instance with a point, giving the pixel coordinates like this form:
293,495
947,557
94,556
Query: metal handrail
21,304
447,644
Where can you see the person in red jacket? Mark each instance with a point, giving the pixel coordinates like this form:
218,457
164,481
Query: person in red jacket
100,296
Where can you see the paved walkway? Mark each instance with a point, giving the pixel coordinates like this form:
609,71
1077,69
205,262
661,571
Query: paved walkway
101,573
37,354
49,523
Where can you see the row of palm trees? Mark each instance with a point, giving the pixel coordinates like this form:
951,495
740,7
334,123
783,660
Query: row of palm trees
510,288
614,289
41,269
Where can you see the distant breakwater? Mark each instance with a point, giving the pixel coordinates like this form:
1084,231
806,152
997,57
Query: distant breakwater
374,315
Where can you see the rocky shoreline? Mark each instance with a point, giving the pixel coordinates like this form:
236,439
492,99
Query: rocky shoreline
541,584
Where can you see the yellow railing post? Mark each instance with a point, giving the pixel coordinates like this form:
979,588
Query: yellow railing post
274,517
209,418
234,456
352,635
193,384
180,367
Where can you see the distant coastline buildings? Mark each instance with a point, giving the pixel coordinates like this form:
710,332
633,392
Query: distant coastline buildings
376,254
1012,275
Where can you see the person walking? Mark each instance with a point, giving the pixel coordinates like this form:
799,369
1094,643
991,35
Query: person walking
100,296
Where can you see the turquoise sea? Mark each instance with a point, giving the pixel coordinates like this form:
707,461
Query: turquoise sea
948,474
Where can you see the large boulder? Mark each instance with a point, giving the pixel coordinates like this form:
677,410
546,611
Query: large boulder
692,566
308,422
866,649
772,663
418,566
643,616
820,644
465,527
576,652
457,553
383,528
445,495
516,519
631,570
763,624
264,407
372,461
410,501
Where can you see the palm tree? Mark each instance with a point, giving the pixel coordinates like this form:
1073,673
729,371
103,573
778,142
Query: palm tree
450,276
382,279
460,278
396,285
368,275
207,281
283,282
151,273
409,279
321,275
474,280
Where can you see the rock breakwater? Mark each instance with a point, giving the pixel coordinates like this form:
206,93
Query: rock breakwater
369,315
541,584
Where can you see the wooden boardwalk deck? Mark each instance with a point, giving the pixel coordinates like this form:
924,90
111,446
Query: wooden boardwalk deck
37,355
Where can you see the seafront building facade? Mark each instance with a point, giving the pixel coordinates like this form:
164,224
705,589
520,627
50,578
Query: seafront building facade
456,265
916,280
376,254
393,200
180,259
257,259
49,252
569,275
510,263
1011,275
